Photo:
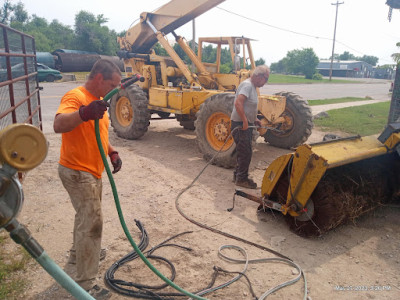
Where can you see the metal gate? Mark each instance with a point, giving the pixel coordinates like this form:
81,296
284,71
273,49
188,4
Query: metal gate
19,89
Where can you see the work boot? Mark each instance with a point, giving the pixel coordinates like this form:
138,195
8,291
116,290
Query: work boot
99,293
72,256
246,183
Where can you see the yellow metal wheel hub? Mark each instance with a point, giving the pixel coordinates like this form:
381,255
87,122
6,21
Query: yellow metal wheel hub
218,130
287,126
124,111
23,146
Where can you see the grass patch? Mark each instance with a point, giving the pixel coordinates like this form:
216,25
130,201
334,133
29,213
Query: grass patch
363,120
80,76
336,100
280,78
12,282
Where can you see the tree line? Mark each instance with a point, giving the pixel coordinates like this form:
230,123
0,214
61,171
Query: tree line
90,34
305,62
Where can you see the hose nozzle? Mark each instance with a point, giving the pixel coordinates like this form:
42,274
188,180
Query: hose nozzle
130,80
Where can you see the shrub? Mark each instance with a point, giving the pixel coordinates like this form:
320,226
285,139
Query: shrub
317,76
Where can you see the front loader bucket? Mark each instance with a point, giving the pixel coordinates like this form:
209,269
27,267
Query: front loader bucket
323,185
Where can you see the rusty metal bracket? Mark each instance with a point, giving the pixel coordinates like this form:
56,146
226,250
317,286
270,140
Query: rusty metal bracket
264,202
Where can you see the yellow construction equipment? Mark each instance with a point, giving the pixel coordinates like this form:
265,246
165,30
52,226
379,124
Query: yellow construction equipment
200,100
323,185
320,186
317,187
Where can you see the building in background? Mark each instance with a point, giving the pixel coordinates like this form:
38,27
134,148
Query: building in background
346,68
385,73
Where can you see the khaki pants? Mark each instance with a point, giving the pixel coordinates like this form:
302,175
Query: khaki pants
85,190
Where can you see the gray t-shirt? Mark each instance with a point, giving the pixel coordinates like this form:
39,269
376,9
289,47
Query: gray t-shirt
247,89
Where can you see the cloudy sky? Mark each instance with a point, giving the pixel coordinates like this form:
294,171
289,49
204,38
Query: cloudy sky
277,26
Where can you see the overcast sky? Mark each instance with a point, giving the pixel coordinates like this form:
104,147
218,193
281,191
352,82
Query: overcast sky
278,26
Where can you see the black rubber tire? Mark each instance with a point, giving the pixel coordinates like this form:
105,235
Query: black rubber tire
189,124
50,78
218,105
129,113
163,114
299,112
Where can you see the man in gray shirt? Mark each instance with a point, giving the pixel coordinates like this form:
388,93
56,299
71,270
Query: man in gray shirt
244,114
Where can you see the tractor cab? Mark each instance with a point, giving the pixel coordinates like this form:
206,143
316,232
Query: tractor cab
240,60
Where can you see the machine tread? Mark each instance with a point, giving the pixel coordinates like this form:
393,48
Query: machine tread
298,109
217,103
141,114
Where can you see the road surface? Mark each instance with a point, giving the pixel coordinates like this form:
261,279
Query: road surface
376,89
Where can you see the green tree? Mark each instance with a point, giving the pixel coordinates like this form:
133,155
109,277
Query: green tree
62,36
386,66
159,50
92,36
181,53
260,62
346,56
226,58
396,56
280,66
19,13
5,11
302,62
209,54
372,60
39,28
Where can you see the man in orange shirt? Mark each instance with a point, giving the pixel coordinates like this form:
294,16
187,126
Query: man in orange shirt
81,167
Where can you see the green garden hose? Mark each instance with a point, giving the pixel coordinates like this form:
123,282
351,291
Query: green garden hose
117,203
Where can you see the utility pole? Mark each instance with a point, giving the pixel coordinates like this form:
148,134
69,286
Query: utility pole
334,37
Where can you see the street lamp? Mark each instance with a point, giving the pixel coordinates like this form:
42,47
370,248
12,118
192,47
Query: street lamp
392,4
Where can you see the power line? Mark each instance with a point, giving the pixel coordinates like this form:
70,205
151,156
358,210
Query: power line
292,31
272,26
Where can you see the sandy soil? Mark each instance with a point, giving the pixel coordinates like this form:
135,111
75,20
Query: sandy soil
355,261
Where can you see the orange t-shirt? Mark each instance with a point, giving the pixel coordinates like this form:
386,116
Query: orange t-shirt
79,150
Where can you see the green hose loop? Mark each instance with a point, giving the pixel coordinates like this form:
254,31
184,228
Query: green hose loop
121,217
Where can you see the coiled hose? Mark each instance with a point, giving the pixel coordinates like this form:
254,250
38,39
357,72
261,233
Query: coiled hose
116,198
138,250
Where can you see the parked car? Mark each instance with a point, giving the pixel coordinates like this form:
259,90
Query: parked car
47,74
44,72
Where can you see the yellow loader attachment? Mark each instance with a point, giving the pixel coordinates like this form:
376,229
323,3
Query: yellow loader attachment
323,185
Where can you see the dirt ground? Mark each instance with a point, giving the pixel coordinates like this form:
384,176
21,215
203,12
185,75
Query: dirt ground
356,261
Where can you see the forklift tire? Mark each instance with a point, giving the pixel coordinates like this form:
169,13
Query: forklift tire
189,125
298,125
163,114
129,113
212,127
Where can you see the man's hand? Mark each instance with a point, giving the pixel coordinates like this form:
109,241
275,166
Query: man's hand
257,123
115,161
95,110
245,125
